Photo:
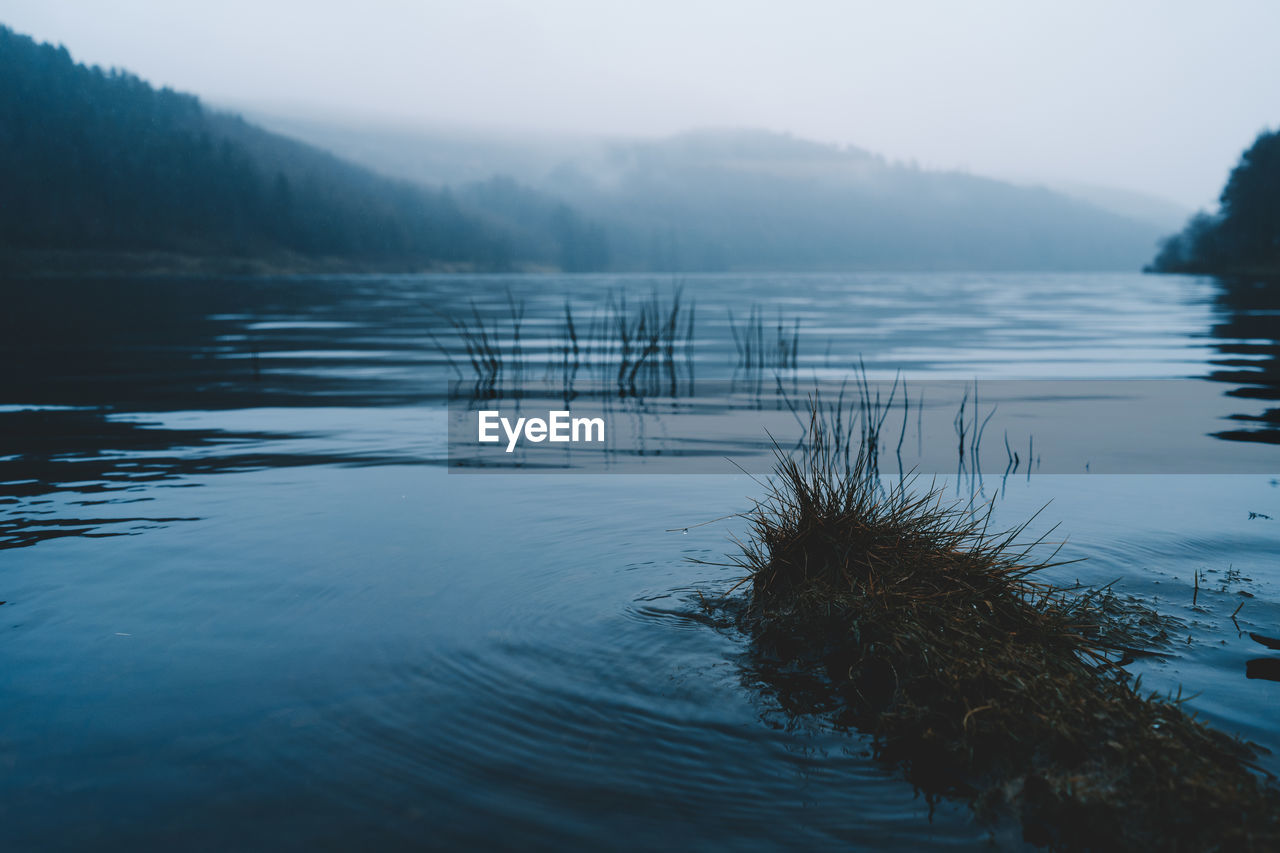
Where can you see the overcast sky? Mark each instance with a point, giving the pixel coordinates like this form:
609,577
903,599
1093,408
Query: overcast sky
1159,97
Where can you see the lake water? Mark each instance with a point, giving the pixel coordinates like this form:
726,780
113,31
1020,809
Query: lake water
249,603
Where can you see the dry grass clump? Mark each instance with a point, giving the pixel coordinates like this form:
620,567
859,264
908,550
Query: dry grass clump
936,636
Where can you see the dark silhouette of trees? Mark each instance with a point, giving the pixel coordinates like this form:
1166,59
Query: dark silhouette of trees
99,160
1244,236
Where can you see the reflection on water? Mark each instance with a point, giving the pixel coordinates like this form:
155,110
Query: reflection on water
313,635
1247,336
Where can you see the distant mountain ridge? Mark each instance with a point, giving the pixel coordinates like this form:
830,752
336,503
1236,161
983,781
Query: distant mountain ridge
1132,204
100,162
752,199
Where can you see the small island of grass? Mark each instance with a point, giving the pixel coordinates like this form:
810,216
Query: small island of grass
909,620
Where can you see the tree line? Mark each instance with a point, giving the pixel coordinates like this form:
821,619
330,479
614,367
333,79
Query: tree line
94,159
1244,235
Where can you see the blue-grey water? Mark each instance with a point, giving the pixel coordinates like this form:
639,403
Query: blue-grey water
248,605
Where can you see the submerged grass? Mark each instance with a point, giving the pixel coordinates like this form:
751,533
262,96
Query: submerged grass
643,346
938,636
636,344
757,348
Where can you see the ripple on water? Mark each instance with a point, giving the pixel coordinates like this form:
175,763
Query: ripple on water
538,740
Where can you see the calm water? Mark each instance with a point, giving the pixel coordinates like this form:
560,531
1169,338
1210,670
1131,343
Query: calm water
248,604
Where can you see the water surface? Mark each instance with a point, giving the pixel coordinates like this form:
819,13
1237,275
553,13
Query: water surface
249,605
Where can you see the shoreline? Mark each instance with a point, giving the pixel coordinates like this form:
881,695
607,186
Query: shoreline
56,263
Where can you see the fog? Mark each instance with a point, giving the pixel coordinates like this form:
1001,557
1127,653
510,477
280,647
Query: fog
1158,98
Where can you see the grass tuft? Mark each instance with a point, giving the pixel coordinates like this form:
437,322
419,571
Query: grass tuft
922,626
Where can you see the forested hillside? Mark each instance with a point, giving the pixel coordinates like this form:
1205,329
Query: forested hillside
742,199
101,161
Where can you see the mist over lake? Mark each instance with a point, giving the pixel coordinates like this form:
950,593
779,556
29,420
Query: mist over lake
584,426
